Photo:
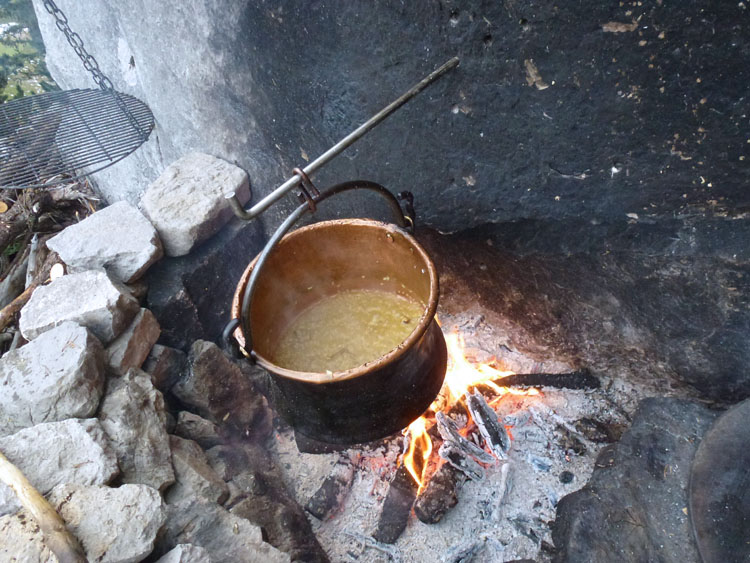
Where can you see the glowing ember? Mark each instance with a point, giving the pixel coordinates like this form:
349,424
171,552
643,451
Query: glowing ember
461,375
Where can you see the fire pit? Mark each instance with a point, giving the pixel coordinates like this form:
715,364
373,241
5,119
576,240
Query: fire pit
458,482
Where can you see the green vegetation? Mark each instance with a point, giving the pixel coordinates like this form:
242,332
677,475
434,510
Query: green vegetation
22,68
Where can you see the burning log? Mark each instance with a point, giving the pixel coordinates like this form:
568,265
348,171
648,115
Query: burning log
461,461
455,441
440,494
331,493
396,507
490,428
581,379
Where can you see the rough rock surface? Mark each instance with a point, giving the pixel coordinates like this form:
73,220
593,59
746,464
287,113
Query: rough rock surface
118,239
56,376
668,307
92,299
114,525
71,451
226,537
132,414
131,348
193,427
21,541
193,475
185,553
191,295
186,203
165,365
634,507
219,391
614,123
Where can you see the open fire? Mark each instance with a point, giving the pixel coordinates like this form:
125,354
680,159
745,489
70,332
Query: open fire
400,499
462,377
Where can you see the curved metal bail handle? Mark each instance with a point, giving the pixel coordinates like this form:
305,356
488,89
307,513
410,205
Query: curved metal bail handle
404,221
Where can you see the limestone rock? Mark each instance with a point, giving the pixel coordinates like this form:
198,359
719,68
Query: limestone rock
227,538
114,525
185,553
21,540
57,376
71,451
133,416
165,365
92,299
193,427
118,239
186,203
219,391
193,475
130,349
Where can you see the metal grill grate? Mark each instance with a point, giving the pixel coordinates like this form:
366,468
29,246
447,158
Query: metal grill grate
60,136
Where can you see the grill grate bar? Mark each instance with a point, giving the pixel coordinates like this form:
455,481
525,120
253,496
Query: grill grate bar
60,136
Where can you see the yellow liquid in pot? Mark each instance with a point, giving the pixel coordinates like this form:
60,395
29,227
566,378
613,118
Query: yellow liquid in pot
347,330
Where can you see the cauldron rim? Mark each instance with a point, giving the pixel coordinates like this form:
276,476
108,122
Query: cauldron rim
322,378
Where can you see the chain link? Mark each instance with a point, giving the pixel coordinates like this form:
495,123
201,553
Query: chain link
89,63
75,41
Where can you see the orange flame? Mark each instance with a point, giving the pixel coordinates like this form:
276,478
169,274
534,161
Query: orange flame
420,442
460,376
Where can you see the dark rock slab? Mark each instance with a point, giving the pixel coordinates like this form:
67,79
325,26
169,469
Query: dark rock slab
263,499
165,365
193,427
226,537
719,492
191,295
635,506
193,474
216,388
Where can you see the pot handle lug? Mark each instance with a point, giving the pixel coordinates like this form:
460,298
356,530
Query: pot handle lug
230,344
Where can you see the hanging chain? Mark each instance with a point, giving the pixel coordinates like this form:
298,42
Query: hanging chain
89,62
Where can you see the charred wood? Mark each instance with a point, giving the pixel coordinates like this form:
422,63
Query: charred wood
396,507
449,432
11,310
464,463
501,491
332,492
581,379
440,494
490,428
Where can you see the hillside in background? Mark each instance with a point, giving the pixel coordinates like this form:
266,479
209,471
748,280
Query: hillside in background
22,68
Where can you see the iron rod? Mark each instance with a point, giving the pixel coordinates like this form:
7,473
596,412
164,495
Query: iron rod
338,148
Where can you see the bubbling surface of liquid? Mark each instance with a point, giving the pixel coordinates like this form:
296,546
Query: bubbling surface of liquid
347,330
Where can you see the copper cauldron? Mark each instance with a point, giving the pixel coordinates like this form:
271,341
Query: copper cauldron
373,400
